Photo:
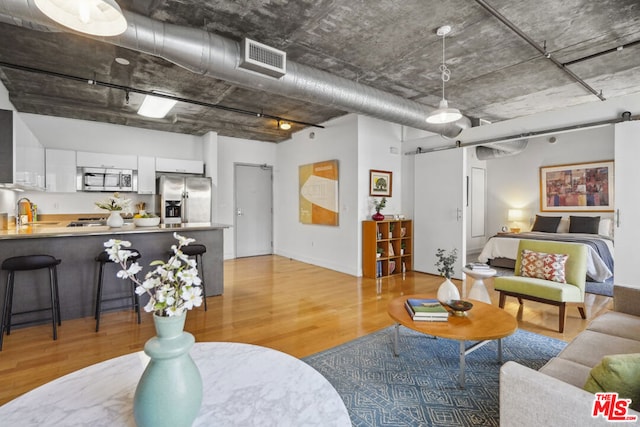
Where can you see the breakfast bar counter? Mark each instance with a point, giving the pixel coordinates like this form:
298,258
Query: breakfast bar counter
77,247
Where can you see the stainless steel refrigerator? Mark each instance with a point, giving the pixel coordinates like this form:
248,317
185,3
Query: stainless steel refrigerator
184,199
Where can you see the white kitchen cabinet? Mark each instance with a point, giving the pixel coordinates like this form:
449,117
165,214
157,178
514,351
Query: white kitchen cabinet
146,175
21,154
105,160
179,166
60,168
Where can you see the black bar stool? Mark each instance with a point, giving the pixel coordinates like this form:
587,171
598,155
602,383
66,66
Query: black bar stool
134,300
197,251
27,263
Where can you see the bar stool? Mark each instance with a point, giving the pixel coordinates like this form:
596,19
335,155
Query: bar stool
27,263
197,251
134,300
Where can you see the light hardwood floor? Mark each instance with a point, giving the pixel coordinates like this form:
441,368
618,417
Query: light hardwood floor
270,301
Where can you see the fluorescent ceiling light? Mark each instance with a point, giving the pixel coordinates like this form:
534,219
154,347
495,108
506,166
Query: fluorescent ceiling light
156,107
96,17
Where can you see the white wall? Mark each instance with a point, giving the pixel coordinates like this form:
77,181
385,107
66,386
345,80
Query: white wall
513,182
327,246
379,148
230,152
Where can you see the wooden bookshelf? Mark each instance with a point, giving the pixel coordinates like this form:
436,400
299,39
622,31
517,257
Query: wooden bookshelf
396,247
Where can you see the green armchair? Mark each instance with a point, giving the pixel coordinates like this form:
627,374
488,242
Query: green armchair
548,291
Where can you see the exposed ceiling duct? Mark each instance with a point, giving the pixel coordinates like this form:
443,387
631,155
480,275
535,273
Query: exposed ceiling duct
501,149
209,54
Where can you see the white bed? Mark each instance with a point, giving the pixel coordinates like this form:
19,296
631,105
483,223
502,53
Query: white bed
507,247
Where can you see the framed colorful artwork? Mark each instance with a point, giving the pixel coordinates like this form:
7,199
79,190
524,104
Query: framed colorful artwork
318,186
578,187
380,183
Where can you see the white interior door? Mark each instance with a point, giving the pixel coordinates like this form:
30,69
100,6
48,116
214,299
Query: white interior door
439,214
627,202
254,210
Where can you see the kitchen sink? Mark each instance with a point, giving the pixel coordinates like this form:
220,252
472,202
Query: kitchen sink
86,223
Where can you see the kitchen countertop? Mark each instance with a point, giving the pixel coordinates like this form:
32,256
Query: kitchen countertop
60,229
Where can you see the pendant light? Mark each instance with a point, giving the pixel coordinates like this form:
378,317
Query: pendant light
95,17
444,114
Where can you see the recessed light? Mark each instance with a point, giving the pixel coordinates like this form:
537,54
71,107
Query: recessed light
122,61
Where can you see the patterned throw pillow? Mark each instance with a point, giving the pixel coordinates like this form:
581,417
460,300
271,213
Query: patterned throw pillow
543,266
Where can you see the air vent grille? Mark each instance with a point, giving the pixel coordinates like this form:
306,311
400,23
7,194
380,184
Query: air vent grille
263,59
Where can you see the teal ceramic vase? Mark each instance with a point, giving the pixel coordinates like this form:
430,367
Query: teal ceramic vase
170,390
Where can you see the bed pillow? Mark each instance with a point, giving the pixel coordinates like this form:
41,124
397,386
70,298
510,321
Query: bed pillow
605,227
541,265
563,227
546,224
584,224
617,373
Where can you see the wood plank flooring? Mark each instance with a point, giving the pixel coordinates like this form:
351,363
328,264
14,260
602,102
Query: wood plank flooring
271,301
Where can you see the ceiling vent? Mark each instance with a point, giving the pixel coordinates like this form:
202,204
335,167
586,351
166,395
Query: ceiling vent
263,59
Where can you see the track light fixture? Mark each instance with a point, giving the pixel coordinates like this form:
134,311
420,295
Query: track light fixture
444,114
95,17
284,125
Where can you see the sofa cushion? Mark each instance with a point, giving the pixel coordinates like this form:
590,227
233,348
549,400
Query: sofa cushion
617,373
589,347
617,324
567,371
541,265
540,288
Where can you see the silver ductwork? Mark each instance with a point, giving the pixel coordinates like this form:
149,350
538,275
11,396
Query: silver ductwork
208,54
501,149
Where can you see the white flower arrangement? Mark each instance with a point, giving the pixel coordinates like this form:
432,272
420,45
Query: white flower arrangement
173,286
115,203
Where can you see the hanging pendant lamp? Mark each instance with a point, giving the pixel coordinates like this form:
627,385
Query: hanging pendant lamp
444,114
95,17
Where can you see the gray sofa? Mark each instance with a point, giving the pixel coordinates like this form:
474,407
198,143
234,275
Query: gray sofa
553,396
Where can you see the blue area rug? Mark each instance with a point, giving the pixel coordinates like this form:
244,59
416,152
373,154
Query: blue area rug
420,387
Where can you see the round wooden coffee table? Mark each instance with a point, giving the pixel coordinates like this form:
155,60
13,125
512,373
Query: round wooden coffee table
483,323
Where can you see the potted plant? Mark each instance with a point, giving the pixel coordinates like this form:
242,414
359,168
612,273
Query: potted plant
115,204
169,392
379,205
379,252
403,246
445,265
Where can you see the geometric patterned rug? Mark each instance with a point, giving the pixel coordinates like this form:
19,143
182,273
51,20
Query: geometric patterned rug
420,387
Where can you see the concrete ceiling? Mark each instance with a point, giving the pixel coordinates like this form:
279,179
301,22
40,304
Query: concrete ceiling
389,45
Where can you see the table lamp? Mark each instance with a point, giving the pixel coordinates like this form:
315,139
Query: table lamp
513,216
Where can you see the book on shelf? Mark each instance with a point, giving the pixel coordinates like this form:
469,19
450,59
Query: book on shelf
379,269
426,309
478,266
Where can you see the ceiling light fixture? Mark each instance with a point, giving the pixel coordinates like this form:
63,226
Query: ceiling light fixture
444,114
96,17
284,125
156,107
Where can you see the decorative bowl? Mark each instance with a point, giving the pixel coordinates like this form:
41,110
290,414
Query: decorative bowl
459,307
147,222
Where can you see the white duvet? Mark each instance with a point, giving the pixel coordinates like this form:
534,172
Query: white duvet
507,247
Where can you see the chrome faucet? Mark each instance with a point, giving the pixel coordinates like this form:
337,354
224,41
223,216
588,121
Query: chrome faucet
18,216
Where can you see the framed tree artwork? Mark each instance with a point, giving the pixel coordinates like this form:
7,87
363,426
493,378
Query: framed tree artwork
578,187
380,183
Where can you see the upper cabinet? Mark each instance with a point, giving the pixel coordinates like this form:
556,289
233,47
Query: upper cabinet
60,166
107,161
179,166
21,154
146,175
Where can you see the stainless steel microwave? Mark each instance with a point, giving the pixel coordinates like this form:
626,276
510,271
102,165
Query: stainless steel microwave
99,179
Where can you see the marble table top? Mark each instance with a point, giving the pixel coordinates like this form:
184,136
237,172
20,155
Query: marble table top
243,385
